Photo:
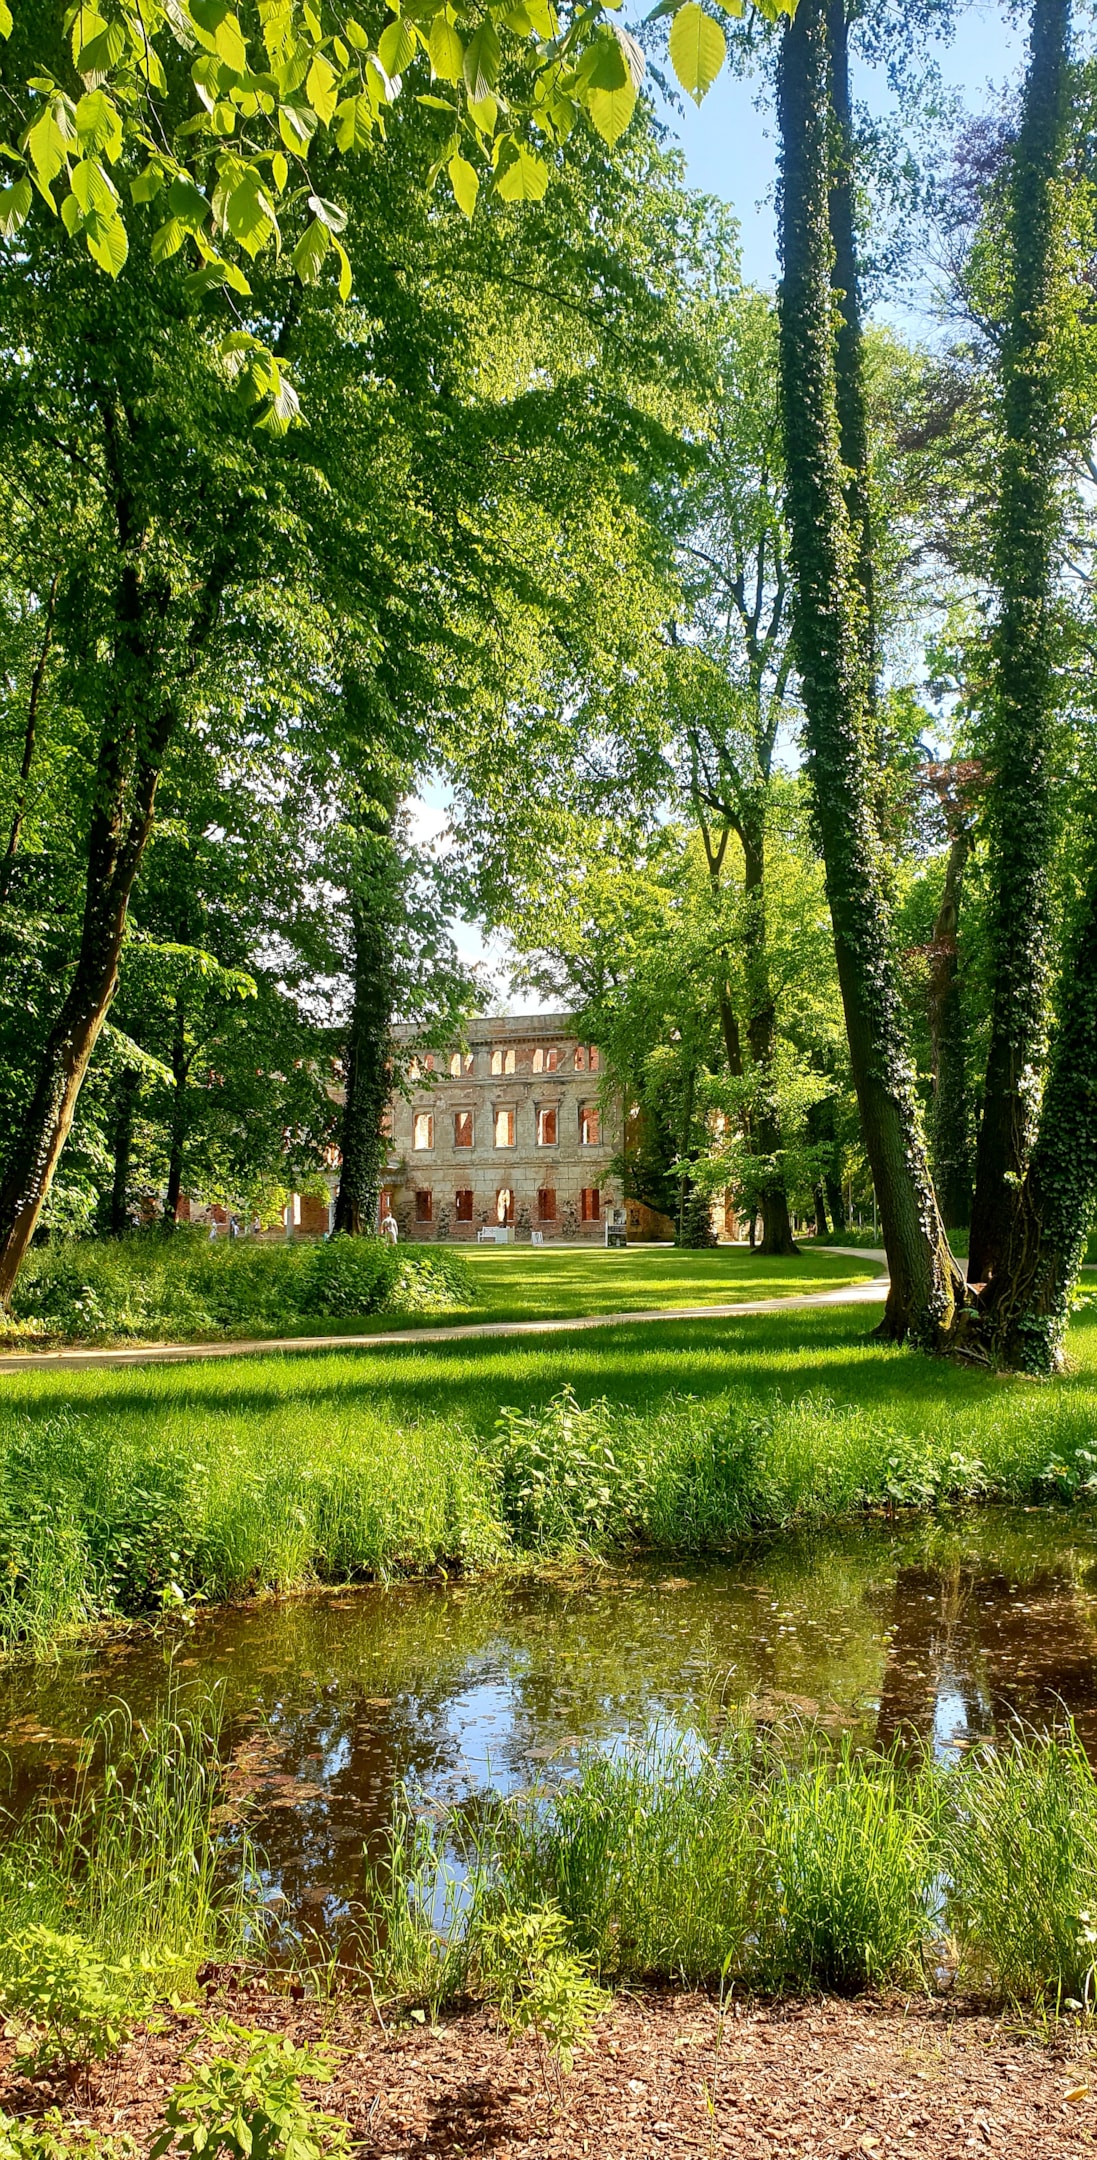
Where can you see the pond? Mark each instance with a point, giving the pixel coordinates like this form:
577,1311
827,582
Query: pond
948,1627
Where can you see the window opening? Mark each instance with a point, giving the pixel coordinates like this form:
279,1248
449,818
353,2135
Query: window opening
591,1203
423,1129
546,1205
590,1125
462,1205
504,1205
546,1127
424,1206
462,1128
504,1128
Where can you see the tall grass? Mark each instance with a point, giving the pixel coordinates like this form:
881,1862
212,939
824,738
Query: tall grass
689,1860
136,1859
225,1481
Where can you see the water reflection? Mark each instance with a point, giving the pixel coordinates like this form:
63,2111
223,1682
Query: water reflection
950,1630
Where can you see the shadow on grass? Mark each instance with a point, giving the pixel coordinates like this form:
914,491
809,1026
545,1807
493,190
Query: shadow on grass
827,1354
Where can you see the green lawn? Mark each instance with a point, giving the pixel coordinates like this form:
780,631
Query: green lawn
273,1471
534,1283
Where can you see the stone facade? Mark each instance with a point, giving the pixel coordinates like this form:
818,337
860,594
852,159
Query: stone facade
510,1131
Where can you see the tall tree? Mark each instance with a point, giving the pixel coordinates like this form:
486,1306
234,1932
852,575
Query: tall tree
836,692
1019,803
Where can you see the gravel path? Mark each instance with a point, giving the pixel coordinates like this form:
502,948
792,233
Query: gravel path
177,1353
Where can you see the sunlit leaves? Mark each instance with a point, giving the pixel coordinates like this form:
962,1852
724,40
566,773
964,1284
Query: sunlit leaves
609,84
481,63
218,29
6,24
15,202
322,88
698,49
396,47
522,176
447,53
465,182
99,125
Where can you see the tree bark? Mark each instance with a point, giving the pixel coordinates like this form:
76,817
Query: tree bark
1020,799
849,369
369,1070
180,1067
777,1237
131,751
7,867
820,1205
836,1203
1028,1300
950,1122
925,1281
129,1089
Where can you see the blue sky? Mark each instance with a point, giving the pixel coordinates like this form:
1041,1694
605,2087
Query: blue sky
729,148
729,145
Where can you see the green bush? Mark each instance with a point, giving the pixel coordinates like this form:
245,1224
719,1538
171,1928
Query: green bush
66,1998
246,2103
174,1287
567,1483
50,2137
537,1983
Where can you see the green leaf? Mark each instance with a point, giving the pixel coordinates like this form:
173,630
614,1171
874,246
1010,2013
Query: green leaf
282,409
359,38
447,53
93,189
354,122
542,15
250,216
102,52
48,143
481,63
219,31
396,47
328,213
322,88
611,110
146,186
99,124
15,202
297,125
168,239
465,182
698,49
524,179
107,243
484,112
6,24
187,202
279,171
344,269
308,255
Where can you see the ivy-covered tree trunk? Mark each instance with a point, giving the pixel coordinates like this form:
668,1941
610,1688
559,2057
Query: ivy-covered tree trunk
849,346
369,1044
830,650
177,1127
1019,813
777,1237
1030,1296
30,737
950,1117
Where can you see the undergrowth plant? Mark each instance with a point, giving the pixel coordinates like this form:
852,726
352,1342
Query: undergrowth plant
538,1983
72,2007
244,2102
50,2137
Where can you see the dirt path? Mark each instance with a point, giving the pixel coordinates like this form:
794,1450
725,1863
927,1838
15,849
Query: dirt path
175,1353
663,2080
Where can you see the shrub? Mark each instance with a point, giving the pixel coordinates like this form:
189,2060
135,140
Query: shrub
566,1480
246,2102
537,1984
66,1994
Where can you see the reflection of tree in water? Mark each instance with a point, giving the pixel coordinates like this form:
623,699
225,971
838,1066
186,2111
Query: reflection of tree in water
973,1650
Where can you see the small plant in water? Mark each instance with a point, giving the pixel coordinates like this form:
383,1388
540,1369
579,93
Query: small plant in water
246,2102
537,1984
72,2003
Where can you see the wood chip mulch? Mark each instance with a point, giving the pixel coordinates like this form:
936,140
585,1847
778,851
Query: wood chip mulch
856,2081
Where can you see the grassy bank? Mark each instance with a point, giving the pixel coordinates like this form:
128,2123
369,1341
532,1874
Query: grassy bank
153,1288
734,1861
122,1492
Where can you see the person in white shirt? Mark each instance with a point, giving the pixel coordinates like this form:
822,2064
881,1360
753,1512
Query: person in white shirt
389,1228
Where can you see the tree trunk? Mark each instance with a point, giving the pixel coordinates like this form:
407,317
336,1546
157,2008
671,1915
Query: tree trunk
7,867
849,370
836,1202
131,752
369,1074
1028,1299
925,1281
950,1121
129,1089
1020,799
777,1237
180,1069
819,1202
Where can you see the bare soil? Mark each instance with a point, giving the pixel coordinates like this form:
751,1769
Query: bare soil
664,2077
